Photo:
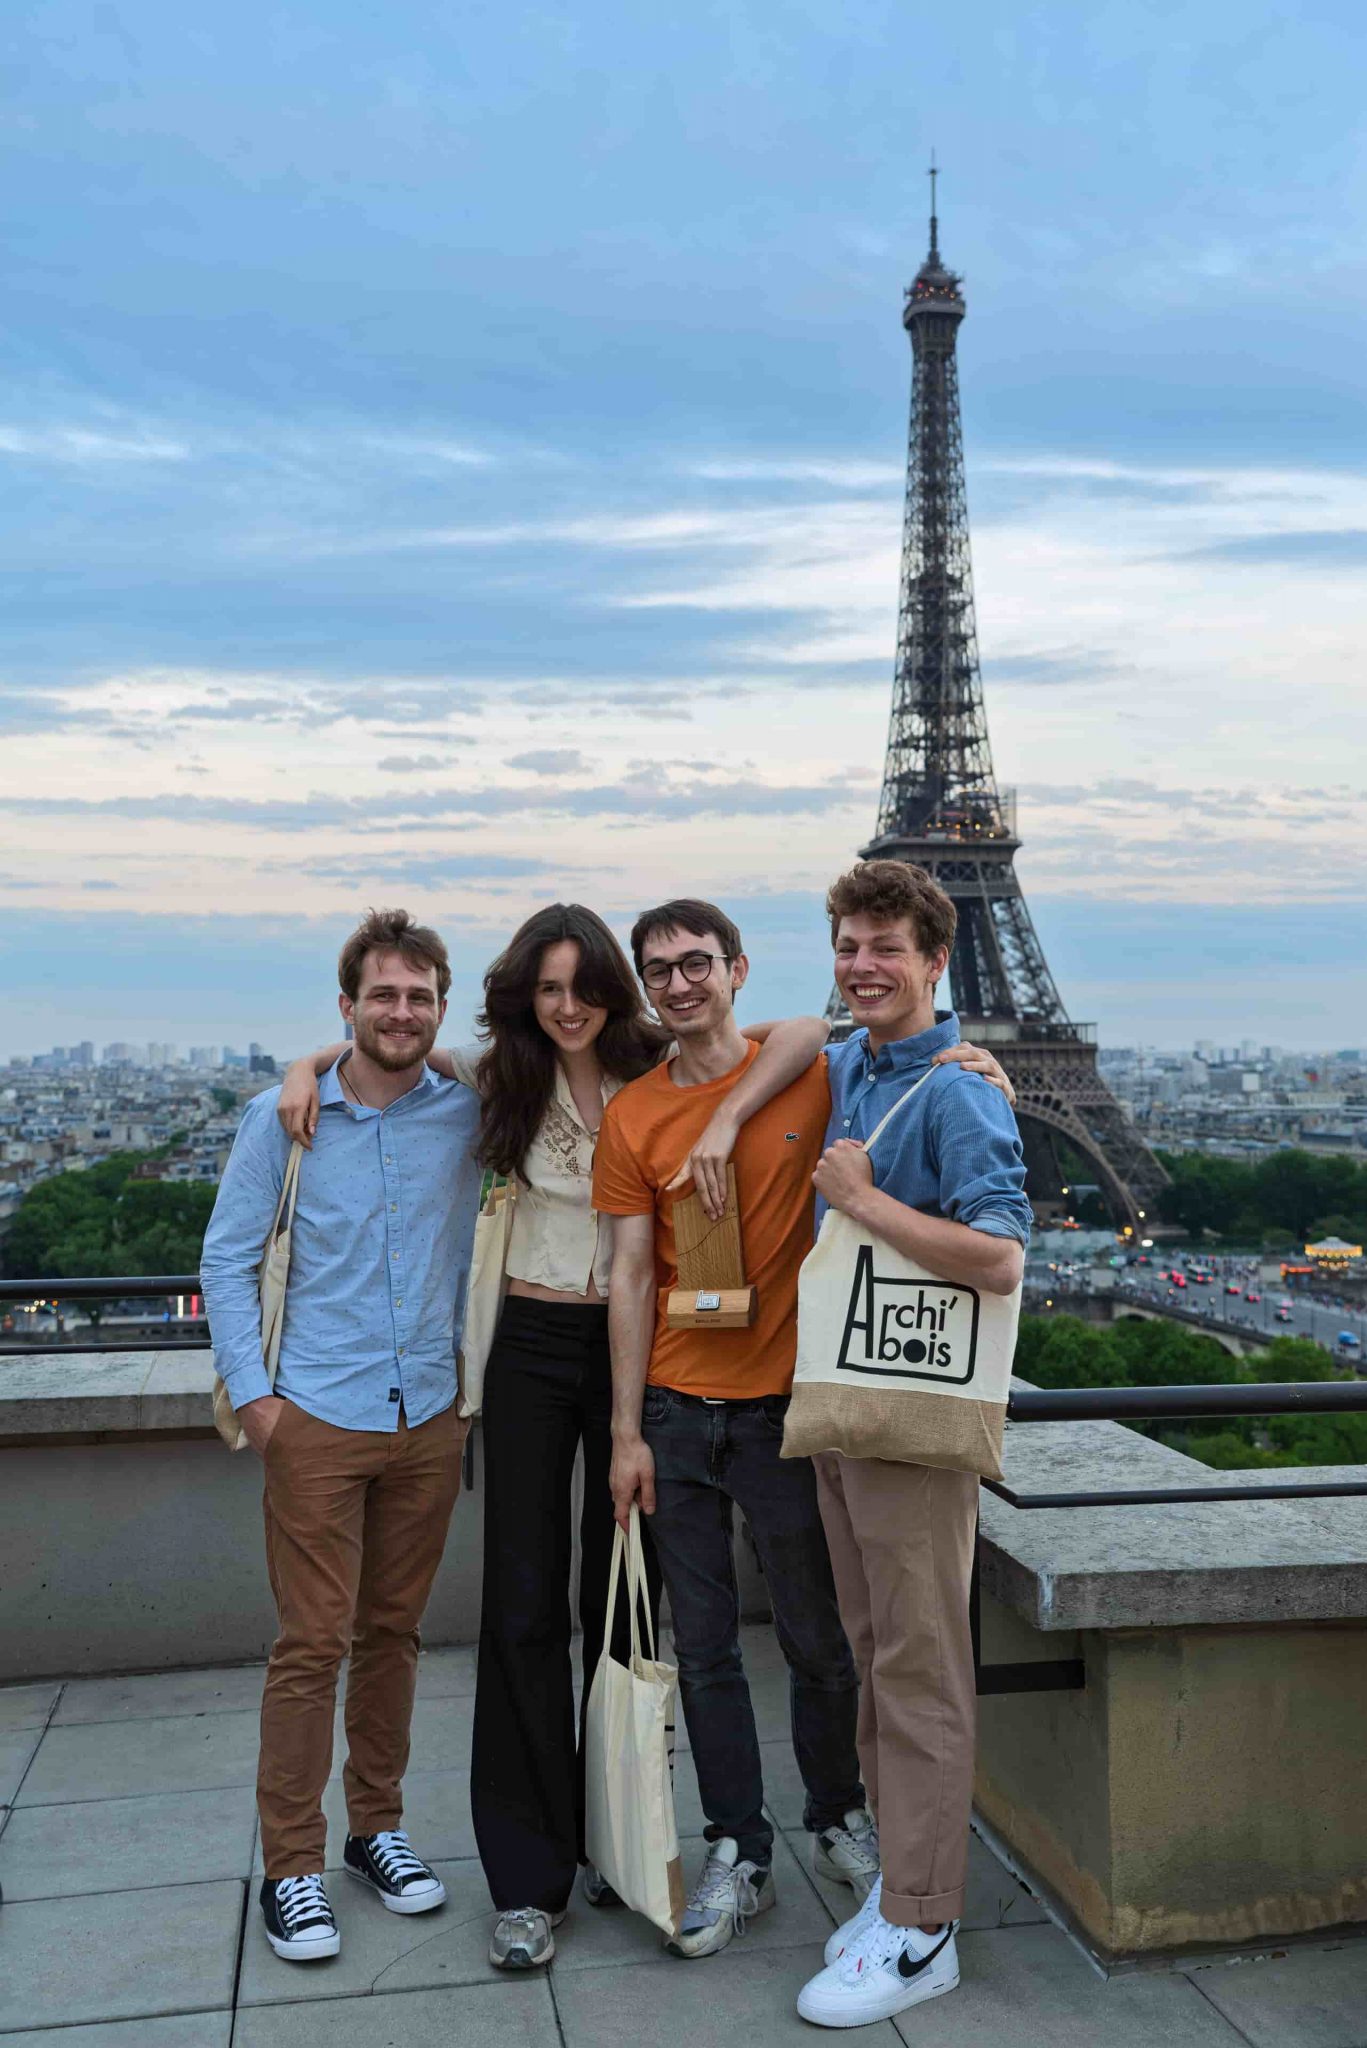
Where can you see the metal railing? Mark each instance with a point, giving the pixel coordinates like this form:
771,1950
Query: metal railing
130,1287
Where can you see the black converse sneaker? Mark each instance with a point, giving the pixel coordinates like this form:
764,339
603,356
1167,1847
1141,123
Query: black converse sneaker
386,1863
299,1922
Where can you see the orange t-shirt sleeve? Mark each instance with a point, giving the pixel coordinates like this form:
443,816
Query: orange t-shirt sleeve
619,1186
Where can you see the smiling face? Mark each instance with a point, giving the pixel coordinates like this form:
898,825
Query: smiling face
570,1023
885,978
699,995
396,1011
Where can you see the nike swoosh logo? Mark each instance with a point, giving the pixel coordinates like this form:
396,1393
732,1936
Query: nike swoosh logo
909,1965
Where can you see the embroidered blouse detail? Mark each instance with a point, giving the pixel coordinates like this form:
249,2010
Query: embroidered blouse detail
558,1238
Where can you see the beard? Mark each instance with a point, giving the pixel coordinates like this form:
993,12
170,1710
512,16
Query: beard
385,1052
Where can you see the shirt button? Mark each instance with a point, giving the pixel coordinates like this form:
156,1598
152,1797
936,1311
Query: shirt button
401,1351
394,1207
398,1302
388,1159
847,1123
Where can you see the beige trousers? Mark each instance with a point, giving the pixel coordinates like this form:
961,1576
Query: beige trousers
901,1539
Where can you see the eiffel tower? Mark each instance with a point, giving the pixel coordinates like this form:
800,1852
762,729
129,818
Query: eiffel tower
941,808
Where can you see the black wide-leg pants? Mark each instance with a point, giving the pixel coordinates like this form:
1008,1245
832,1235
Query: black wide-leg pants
547,1390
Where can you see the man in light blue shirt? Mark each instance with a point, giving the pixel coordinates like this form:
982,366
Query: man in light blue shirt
360,1439
947,1189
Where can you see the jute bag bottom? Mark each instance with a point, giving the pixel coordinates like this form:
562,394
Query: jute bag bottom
904,1426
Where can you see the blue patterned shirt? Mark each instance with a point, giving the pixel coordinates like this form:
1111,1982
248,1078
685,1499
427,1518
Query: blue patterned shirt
953,1151
379,1261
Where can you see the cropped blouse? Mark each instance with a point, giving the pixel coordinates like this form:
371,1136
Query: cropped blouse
558,1239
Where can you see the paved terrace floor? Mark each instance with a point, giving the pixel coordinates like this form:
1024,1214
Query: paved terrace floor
129,1845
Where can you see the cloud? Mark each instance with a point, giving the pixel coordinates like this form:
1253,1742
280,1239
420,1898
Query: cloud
82,446
1336,548
549,761
409,764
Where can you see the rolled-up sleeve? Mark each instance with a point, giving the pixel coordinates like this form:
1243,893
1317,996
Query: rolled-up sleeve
980,1162
229,1264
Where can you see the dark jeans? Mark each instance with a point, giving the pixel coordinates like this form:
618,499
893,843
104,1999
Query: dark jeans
707,1456
548,1389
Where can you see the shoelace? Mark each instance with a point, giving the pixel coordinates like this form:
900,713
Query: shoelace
863,1839
520,1921
302,1898
724,1885
394,1854
865,1917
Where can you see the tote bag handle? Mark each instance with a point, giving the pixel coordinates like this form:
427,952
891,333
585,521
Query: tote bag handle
870,1142
628,1545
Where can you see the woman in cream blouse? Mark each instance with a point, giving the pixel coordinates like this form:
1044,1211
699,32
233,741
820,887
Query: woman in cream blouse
566,1027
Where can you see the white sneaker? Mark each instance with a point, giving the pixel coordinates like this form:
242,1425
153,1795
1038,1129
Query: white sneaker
890,1969
853,1930
849,1854
522,1938
726,1895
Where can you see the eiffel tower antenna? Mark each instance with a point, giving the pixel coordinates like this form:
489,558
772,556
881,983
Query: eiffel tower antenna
942,810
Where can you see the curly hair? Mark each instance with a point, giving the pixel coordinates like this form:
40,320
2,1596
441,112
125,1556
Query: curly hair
393,931
891,889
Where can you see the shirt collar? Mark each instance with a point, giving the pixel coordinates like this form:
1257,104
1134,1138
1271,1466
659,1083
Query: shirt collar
916,1051
331,1091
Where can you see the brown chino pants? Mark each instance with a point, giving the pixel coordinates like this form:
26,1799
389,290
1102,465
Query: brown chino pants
901,1539
356,1522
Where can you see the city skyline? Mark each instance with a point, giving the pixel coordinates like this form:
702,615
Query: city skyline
465,478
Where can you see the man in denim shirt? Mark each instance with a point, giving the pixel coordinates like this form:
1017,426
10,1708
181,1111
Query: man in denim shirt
360,1438
948,1190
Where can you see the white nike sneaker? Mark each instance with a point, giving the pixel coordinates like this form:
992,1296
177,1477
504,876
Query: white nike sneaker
852,1931
891,1969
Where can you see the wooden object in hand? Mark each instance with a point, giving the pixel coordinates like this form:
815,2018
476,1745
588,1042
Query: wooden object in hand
712,1292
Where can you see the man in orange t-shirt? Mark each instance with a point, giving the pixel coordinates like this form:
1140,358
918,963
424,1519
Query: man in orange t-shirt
698,1423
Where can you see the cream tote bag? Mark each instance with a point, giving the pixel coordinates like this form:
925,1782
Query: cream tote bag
274,1278
893,1362
629,1827
484,1295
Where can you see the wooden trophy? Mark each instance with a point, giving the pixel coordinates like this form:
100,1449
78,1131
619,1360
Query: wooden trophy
713,1293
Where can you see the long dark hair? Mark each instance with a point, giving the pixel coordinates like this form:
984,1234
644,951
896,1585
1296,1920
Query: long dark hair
517,1071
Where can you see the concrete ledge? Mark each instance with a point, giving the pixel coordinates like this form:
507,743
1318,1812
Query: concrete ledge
78,1393
1163,1567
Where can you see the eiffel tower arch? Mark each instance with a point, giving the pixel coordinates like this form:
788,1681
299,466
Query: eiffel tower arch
941,808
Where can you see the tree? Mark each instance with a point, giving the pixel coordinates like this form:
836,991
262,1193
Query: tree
103,1221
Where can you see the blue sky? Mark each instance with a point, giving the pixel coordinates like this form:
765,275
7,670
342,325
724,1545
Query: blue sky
454,456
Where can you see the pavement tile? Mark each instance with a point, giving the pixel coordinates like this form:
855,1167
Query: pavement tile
1029,1987
15,1750
517,2013
161,1695
125,1759
26,1706
184,2030
120,1955
446,1674
1306,1998
445,1947
995,1897
595,1940
743,1995
390,1952
436,1812
165,1838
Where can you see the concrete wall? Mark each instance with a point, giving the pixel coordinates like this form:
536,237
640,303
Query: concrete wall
1206,1789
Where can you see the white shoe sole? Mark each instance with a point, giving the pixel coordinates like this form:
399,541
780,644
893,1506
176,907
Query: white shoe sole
427,1903
837,2012
304,1951
518,1958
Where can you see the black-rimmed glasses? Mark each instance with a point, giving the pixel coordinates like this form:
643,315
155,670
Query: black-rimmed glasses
694,967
